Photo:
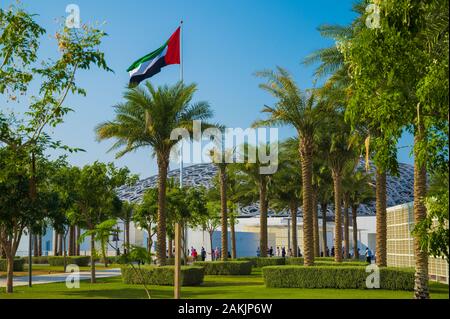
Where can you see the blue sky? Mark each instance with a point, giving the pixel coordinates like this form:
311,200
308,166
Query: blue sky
225,42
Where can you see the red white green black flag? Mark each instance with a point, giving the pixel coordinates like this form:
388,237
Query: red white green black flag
151,64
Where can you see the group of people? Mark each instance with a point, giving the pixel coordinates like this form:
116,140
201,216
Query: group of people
216,254
280,252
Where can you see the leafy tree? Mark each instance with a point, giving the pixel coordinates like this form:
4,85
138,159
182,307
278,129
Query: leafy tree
101,233
147,119
433,230
146,214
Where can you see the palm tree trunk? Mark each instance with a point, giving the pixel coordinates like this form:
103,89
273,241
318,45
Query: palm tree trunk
420,191
294,208
77,240
161,232
60,245
263,215
306,147
55,243
223,210
71,240
316,227
337,184
346,227
381,252
355,231
233,238
323,208
92,259
39,245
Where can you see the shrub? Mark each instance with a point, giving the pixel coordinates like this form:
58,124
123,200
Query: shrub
163,275
264,261
171,261
18,264
339,277
75,260
39,260
226,267
325,261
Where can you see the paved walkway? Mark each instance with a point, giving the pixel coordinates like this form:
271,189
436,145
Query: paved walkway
53,278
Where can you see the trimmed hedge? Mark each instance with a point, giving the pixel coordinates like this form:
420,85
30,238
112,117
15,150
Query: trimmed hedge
264,261
75,260
18,264
325,261
226,267
338,277
163,275
39,260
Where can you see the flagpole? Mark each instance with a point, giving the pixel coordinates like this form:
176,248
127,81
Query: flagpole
177,290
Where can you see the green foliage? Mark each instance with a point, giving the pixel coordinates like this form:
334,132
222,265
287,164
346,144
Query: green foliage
76,260
433,231
163,275
339,277
18,264
225,267
264,261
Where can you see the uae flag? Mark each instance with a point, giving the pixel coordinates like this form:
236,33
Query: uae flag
151,64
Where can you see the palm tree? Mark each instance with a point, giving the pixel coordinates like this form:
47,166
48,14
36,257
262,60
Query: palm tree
146,119
285,193
339,153
360,190
294,107
252,169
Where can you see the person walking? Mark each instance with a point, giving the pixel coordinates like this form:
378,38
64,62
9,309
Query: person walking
278,251
203,253
258,252
283,252
368,255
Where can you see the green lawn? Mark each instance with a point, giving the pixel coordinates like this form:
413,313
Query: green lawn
226,287
46,270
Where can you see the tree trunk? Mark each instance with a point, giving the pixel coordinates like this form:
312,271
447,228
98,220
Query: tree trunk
316,227
93,260
323,208
170,248
306,148
263,215
2,252
77,241
381,252
294,208
35,246
355,231
127,236
420,191
39,245
161,232
223,210
60,245
10,273
71,233
211,243
55,243
337,184
233,238
346,227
